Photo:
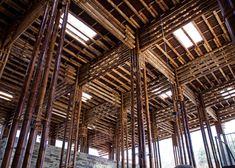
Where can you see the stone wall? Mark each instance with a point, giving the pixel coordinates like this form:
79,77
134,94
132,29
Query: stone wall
52,158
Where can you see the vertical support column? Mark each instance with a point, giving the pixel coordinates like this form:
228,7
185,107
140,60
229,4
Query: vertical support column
226,157
24,92
20,149
147,115
65,128
117,141
177,125
41,96
132,112
186,128
140,117
122,132
111,151
201,121
206,119
51,98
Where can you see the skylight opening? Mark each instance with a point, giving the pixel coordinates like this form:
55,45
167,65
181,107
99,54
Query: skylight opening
228,93
193,32
77,29
165,95
188,35
86,97
5,96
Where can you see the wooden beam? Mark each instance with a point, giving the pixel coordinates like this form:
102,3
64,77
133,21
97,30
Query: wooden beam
166,70
24,22
116,57
206,64
123,32
212,113
183,13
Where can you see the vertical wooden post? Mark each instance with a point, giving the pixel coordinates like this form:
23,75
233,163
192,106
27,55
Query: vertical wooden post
209,131
132,112
147,114
51,98
177,125
140,117
65,129
186,127
207,150
20,150
41,97
226,158
24,92
78,106
122,131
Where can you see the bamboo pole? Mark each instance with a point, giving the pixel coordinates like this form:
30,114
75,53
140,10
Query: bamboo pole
20,149
207,150
41,98
206,119
122,131
78,107
45,125
147,114
140,117
24,92
65,129
132,112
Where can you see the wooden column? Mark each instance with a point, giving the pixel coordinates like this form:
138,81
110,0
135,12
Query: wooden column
24,92
147,116
187,135
177,125
41,98
20,149
201,121
225,155
206,119
65,136
140,117
51,97
133,113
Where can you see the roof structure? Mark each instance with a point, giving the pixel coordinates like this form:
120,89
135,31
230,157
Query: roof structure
101,63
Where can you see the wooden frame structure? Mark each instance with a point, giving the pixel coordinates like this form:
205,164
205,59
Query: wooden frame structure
131,62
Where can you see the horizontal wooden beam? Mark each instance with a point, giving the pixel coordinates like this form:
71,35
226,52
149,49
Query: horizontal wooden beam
206,64
108,61
166,70
20,26
123,32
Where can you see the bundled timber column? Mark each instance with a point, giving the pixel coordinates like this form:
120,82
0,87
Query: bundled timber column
187,135
225,156
139,104
147,116
206,119
51,97
132,113
228,11
155,141
177,136
205,142
41,97
24,92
